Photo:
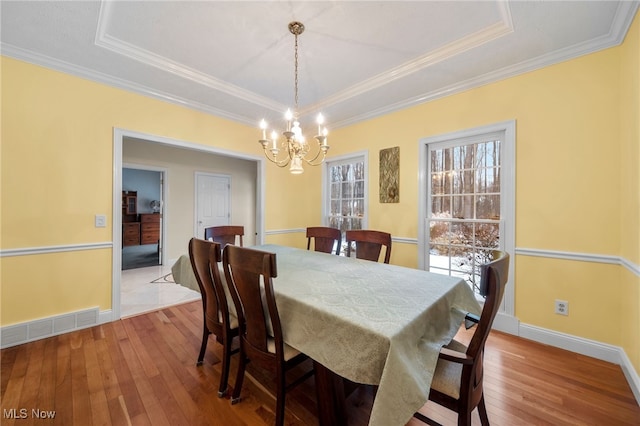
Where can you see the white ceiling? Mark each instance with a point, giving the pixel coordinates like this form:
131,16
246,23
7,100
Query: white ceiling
358,59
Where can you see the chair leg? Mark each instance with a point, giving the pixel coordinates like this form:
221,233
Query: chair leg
280,399
242,363
203,346
482,410
224,378
464,418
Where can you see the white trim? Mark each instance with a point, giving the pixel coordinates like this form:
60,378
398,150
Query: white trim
508,188
285,231
569,342
404,240
483,36
118,138
624,17
550,254
146,57
506,323
580,257
346,158
592,348
28,251
630,266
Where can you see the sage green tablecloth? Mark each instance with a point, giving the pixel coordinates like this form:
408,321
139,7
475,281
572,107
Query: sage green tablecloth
182,272
370,323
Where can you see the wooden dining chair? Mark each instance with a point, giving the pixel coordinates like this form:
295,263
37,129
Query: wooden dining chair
457,380
369,244
261,339
229,234
324,239
204,256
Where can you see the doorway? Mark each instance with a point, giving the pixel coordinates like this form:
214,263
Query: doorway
179,164
142,239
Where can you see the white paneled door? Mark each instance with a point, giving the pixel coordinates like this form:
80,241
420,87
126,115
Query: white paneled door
213,200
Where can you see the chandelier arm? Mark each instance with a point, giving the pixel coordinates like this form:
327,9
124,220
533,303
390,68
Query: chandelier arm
274,160
312,161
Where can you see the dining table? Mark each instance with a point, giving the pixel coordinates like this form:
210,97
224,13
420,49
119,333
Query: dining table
370,323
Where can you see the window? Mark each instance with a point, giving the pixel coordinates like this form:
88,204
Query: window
464,219
345,192
467,202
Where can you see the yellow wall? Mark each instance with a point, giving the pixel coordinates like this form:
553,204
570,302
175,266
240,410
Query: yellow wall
577,155
57,174
570,152
630,190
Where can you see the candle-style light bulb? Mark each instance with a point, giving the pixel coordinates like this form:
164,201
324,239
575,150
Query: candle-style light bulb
288,116
320,121
263,126
274,138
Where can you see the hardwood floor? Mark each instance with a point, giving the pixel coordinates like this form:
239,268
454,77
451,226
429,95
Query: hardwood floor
142,371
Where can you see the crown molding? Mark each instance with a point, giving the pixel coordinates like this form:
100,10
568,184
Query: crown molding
138,54
98,77
483,36
623,19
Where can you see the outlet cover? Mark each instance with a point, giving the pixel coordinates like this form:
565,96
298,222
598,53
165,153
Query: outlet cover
101,221
562,307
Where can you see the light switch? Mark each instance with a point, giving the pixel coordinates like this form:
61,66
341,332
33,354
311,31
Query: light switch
101,221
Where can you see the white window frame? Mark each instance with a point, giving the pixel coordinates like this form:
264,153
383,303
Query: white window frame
507,199
336,161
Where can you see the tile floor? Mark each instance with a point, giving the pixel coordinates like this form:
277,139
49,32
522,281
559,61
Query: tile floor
145,289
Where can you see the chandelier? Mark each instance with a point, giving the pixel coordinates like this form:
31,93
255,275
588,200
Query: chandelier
294,145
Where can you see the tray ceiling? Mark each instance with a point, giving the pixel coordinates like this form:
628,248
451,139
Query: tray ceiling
357,59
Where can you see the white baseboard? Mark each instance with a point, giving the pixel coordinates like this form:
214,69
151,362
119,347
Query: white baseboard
592,348
105,316
613,354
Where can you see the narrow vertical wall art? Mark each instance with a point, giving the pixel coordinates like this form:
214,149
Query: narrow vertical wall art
390,175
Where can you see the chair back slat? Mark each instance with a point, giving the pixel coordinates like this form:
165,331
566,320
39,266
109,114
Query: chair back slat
493,280
250,273
324,239
228,234
369,244
204,256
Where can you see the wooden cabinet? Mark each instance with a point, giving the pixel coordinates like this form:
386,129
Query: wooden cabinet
137,228
129,202
150,228
130,234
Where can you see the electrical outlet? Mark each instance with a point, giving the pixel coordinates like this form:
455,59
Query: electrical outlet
562,307
101,221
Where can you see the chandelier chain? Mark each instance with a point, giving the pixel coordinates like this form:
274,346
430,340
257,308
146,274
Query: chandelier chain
295,84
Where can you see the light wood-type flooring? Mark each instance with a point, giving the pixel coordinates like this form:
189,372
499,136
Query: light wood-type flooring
142,371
